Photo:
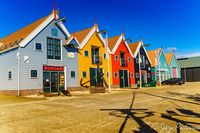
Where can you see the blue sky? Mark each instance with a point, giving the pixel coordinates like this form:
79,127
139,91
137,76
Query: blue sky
166,23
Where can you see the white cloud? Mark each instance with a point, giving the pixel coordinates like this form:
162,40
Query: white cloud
189,54
170,49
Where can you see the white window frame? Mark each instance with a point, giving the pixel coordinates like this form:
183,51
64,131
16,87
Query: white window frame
129,59
87,52
137,75
115,73
117,57
149,75
137,60
33,77
11,75
132,75
82,74
105,56
147,62
38,49
71,75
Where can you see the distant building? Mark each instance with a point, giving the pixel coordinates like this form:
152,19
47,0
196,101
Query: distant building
190,68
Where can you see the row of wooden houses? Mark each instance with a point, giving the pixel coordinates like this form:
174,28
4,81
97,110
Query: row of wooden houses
45,57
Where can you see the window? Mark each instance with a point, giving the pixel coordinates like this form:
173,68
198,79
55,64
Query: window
54,32
105,56
132,75
95,55
9,75
142,63
115,75
137,75
38,46
129,59
116,57
34,74
84,74
149,75
108,75
53,48
147,62
73,74
137,60
86,53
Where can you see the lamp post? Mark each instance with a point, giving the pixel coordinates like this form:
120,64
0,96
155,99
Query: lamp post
107,55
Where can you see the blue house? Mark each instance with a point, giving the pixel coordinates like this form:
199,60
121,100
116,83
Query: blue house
160,69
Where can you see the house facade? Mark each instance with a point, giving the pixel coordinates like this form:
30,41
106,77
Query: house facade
160,70
142,62
92,53
35,59
123,74
174,67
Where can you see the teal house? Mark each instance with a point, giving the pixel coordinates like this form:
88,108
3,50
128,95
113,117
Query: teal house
160,69
175,69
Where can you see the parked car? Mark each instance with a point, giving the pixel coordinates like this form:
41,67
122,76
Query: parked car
172,81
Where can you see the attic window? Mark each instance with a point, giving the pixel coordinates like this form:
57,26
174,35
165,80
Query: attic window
54,32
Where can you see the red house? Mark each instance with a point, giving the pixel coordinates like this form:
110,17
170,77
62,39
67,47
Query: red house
122,62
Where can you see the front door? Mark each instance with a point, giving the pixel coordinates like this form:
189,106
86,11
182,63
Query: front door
46,82
174,71
95,79
123,78
54,82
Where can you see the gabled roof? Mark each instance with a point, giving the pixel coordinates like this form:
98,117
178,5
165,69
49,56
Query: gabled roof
114,42
152,56
23,36
169,58
135,48
13,39
83,36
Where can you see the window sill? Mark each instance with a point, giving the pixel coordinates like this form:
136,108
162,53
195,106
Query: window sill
34,77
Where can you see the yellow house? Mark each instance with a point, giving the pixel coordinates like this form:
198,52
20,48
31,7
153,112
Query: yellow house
92,52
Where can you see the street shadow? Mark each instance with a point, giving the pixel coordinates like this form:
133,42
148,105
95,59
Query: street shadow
135,114
174,116
195,97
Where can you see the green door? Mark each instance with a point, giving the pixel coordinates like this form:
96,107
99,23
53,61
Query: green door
95,79
123,78
92,77
126,78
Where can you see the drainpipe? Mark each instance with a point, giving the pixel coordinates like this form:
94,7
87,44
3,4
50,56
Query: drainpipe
108,58
65,73
140,71
18,64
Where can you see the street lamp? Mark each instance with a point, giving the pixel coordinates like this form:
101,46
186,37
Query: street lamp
106,40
